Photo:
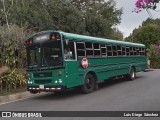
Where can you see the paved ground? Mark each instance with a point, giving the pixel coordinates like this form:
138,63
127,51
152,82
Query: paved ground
142,94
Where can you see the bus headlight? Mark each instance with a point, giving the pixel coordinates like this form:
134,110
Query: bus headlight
60,80
30,82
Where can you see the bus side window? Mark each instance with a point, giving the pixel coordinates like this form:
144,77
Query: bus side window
103,50
135,51
138,53
81,52
142,51
97,50
109,50
89,49
127,51
119,49
131,51
69,51
124,51
114,48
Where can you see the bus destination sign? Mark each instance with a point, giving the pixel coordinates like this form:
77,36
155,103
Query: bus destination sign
41,38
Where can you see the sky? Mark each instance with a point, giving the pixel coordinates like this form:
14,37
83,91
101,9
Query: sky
131,20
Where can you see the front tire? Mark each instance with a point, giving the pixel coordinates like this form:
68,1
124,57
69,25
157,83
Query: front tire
89,84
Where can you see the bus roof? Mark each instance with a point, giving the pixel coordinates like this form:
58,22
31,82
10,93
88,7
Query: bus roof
77,37
84,38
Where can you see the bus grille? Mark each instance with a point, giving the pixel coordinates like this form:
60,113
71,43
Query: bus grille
41,75
43,81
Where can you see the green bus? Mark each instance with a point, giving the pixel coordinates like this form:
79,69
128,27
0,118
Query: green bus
57,61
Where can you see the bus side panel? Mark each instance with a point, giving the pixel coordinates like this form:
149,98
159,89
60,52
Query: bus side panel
108,67
74,76
103,67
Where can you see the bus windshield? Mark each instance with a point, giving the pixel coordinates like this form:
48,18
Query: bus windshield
51,54
33,53
48,54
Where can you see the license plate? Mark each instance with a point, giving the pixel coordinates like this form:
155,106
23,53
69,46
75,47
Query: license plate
41,86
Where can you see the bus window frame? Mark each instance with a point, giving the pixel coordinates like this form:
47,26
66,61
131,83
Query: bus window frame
124,51
111,51
79,57
103,46
89,49
96,49
74,52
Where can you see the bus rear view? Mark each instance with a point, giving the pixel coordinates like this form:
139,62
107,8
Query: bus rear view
45,62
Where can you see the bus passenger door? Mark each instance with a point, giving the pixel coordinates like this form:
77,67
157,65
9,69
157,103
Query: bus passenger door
72,78
71,65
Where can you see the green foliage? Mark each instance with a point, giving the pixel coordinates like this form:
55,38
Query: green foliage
99,16
148,33
76,16
11,51
12,80
46,14
154,57
21,18
117,34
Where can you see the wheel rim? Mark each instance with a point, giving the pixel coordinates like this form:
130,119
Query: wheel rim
89,83
133,74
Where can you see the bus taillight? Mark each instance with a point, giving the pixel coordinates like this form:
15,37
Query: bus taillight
53,37
29,42
26,75
57,36
59,73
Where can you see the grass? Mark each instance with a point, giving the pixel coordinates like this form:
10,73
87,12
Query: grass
12,91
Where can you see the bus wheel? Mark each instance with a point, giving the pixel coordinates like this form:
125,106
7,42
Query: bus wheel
132,74
89,84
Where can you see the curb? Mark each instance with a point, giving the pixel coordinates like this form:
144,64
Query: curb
16,96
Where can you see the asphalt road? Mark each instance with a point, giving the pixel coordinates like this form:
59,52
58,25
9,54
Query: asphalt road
142,94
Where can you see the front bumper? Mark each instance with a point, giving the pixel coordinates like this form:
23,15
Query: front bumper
46,89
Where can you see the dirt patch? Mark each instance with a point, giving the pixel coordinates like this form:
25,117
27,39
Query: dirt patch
3,70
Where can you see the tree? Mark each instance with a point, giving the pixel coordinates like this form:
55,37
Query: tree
5,9
43,14
116,34
154,57
99,16
148,33
89,17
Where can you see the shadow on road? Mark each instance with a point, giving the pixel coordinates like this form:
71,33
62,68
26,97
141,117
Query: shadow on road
76,91
60,96
148,70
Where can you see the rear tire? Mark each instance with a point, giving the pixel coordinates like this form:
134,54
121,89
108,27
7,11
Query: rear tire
89,84
132,75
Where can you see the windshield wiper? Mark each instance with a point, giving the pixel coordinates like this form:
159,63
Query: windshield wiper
45,62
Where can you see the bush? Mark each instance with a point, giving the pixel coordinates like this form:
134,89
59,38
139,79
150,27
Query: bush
154,57
12,80
12,46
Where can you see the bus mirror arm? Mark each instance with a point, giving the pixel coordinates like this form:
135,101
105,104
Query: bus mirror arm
67,41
